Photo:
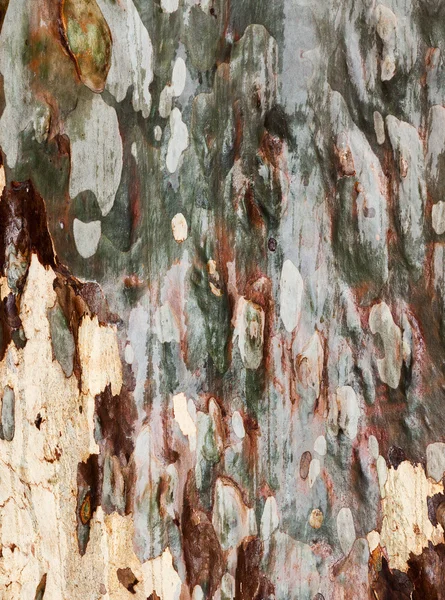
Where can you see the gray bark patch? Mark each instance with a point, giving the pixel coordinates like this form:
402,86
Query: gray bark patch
8,418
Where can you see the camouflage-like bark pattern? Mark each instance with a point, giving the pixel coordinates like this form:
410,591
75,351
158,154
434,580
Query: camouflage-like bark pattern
242,200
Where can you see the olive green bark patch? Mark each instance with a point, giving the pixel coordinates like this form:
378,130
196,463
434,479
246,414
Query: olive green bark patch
62,340
88,39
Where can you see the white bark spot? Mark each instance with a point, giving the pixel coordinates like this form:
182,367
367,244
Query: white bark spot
373,538
198,594
165,101
314,471
320,445
382,474
238,425
179,228
269,518
178,142
86,237
179,76
291,292
129,354
169,6
158,133
373,447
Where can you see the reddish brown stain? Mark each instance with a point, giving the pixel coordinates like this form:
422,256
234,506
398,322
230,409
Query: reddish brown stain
203,555
128,579
250,582
305,462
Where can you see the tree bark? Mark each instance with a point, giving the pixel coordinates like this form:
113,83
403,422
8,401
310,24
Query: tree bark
222,276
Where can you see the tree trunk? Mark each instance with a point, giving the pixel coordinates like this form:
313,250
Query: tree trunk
222,276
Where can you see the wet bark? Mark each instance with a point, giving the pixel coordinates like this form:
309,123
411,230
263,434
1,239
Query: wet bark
222,273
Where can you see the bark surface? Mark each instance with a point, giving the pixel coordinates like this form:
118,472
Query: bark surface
222,314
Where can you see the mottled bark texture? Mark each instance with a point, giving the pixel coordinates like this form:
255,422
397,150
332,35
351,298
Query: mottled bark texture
222,314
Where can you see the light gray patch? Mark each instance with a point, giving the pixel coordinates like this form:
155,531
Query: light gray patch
379,128
291,583
435,460
132,54
386,30
96,150
238,425
314,471
179,76
381,322
137,334
179,140
438,217
166,324
373,446
20,104
158,133
297,64
291,292
411,188
345,530
320,445
169,6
